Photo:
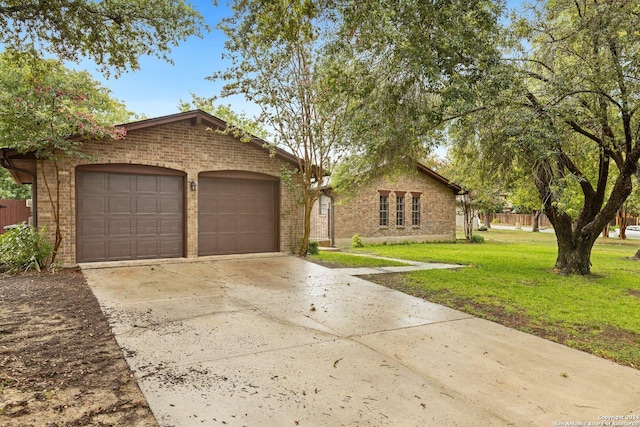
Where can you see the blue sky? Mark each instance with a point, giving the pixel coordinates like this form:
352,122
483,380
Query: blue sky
155,89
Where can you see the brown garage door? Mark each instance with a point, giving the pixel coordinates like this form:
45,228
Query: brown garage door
123,216
237,215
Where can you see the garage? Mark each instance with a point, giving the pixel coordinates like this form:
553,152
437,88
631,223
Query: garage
128,212
237,213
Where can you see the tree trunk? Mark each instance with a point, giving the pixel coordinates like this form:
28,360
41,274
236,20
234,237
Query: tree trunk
622,222
306,233
535,221
487,219
574,253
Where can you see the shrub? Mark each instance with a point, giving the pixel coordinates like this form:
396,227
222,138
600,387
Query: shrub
24,248
482,228
476,239
356,241
313,248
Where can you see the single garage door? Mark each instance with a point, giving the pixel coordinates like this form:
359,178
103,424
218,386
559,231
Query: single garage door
126,216
237,215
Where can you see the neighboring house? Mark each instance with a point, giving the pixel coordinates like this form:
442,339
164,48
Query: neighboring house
174,187
417,206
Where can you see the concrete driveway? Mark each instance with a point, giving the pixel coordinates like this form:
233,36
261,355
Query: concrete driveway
276,341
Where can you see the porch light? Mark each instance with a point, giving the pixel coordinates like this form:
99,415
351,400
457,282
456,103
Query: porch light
192,185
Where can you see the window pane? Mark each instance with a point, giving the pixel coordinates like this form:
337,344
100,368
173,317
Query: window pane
384,211
415,211
400,211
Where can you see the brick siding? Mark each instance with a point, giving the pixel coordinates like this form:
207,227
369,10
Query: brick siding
180,146
360,214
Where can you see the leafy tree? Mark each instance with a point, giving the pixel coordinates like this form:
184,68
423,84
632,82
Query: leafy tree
112,33
566,109
238,124
416,64
10,190
277,52
48,110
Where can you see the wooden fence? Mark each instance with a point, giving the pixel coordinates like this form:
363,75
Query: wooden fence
13,212
525,220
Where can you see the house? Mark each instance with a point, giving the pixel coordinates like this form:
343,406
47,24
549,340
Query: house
417,206
173,187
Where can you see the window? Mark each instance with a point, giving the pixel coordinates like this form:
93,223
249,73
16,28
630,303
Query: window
415,210
400,210
324,205
384,211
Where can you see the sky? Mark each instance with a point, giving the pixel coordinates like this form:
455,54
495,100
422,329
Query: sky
157,87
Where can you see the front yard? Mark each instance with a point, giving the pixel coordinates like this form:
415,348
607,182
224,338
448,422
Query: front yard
509,281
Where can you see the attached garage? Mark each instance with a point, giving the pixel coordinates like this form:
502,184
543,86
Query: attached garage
237,213
127,212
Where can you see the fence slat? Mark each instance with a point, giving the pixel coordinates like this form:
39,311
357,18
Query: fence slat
13,212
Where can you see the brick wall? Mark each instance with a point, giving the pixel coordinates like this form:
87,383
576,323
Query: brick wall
360,214
180,146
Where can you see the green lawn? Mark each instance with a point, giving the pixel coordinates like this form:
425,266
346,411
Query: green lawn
510,282
339,259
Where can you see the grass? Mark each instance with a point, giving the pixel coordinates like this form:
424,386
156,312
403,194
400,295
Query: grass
339,259
510,282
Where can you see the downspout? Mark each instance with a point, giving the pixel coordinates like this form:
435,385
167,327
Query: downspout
332,231
6,163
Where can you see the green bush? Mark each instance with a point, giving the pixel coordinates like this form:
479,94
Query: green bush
476,239
24,248
482,228
313,248
356,241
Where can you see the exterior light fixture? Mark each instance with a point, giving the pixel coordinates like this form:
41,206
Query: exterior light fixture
192,185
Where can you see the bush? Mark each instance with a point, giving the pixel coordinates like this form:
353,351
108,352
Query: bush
356,241
313,248
24,248
482,228
476,239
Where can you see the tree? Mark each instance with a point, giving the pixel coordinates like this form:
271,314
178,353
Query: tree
10,190
48,110
417,63
278,58
238,124
566,109
112,33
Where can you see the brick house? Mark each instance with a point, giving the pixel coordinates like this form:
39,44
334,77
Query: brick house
172,188
417,206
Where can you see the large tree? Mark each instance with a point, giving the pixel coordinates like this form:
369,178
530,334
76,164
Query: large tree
114,34
417,63
567,110
279,61
48,110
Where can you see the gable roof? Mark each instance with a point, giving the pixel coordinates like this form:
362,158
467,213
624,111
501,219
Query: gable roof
197,117
23,166
435,175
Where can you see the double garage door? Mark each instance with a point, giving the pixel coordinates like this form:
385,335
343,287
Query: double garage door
139,213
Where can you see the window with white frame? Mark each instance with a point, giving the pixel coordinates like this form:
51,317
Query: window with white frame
384,210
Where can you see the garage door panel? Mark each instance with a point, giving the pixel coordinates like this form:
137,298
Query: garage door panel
125,216
237,216
118,204
119,227
93,204
119,183
96,227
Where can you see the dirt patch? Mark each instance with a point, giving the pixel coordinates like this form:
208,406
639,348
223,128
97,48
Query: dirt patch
595,340
59,362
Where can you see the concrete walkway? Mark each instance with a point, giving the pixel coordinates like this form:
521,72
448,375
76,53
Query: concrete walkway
411,266
278,341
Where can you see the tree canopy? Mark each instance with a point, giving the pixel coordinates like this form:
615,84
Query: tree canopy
114,34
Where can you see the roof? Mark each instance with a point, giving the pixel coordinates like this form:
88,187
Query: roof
435,175
201,117
23,166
